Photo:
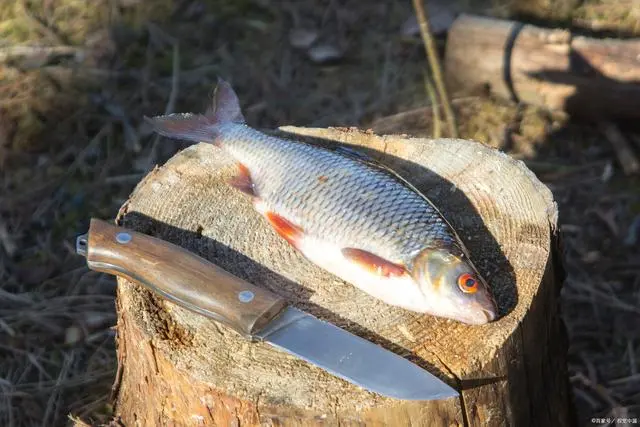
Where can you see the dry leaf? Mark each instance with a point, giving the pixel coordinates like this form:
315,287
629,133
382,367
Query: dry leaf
301,38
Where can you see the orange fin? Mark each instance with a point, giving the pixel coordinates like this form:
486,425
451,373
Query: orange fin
374,263
242,181
290,232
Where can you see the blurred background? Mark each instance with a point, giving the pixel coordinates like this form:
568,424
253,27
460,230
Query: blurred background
77,77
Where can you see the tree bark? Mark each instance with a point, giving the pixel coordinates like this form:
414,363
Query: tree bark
178,368
551,68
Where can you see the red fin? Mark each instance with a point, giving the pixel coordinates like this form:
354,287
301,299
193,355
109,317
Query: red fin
242,181
374,263
290,232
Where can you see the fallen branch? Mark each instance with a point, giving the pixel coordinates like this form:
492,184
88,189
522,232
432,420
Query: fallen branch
622,147
175,87
41,54
436,69
435,108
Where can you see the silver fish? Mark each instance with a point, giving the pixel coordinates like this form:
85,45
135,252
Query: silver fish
356,219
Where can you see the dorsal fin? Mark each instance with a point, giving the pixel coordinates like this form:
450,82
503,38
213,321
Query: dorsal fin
353,153
225,106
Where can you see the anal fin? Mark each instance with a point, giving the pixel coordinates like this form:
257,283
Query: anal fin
374,263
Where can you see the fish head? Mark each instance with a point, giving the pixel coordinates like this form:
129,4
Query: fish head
453,287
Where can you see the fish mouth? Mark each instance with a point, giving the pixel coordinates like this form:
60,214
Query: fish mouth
479,315
472,315
489,314
481,318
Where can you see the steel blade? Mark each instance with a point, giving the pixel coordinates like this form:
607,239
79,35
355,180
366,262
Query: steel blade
352,358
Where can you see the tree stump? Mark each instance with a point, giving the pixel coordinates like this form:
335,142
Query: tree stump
550,68
178,368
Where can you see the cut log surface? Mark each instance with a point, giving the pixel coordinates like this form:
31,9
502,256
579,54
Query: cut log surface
179,368
550,68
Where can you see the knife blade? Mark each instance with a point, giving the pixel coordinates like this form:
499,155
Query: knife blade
259,315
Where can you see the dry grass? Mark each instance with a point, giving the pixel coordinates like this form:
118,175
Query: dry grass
72,146
599,215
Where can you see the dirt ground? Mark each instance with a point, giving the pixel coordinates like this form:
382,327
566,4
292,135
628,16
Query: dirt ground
73,146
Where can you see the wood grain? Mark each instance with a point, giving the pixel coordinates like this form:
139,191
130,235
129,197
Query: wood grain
179,368
185,278
550,68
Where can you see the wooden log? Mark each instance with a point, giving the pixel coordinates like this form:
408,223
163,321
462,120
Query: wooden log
178,368
551,68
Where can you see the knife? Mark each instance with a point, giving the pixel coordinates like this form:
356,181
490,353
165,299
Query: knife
259,315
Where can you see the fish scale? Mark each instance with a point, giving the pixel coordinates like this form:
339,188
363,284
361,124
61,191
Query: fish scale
356,206
354,218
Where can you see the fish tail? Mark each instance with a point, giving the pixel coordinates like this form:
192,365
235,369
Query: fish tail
225,108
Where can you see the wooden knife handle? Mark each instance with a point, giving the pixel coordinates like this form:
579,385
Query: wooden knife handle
181,276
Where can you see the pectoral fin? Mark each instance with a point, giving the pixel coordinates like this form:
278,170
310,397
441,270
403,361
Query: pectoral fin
374,263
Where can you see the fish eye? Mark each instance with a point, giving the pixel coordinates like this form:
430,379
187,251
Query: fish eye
467,283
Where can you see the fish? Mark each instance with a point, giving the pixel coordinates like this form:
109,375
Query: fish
349,215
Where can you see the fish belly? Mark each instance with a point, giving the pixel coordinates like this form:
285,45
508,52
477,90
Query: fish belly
400,291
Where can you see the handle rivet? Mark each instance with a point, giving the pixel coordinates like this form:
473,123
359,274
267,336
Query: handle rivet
245,296
123,238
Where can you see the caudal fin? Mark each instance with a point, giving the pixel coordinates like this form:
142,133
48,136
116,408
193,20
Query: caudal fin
225,108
